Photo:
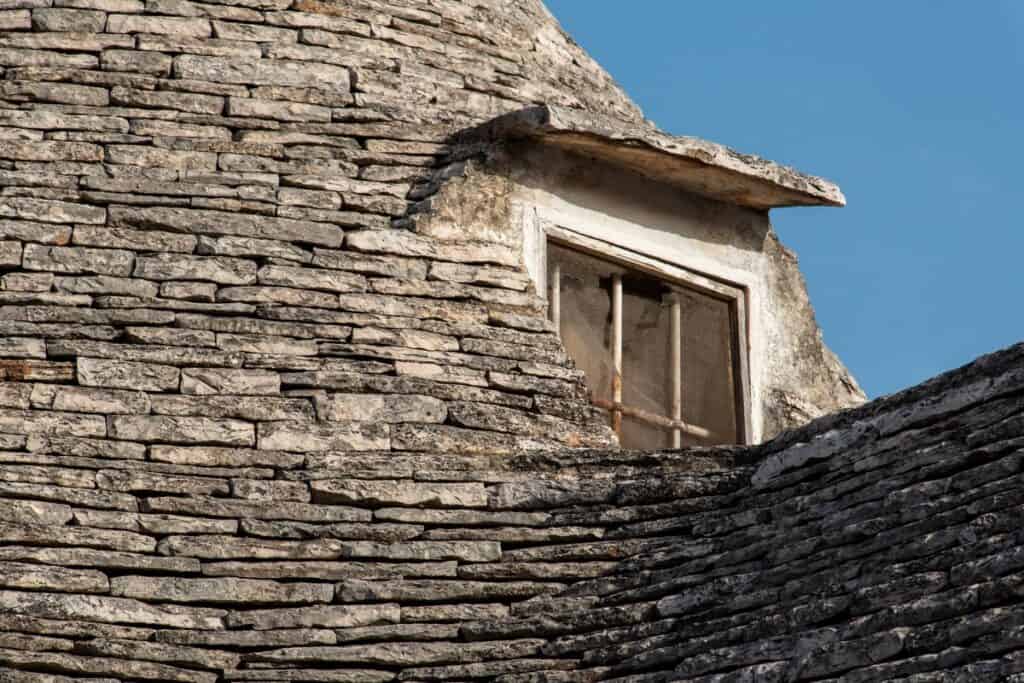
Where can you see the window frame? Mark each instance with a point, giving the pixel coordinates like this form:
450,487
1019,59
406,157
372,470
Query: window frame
736,296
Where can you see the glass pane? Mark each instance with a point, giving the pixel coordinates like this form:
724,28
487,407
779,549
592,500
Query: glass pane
586,317
709,392
646,361
708,389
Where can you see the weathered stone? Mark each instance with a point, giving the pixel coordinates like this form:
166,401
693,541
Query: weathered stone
106,609
51,211
252,247
212,381
408,493
15,19
104,401
35,232
87,557
311,278
406,654
190,291
148,353
470,518
190,102
105,284
248,639
161,483
178,26
169,337
10,254
26,282
277,295
72,495
35,371
258,489
22,348
242,407
50,19
86,448
154,157
332,616
93,538
212,456
225,223
280,111
103,666
138,240
399,632
425,551
266,344
50,151
34,512
389,266
260,72
361,532
436,591
97,372
42,422
381,408
315,675
228,271
221,590
137,61
24,576
256,510
402,243
312,436
182,430
183,656
506,278
78,260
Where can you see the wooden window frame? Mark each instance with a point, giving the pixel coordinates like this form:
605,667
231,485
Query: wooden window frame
734,295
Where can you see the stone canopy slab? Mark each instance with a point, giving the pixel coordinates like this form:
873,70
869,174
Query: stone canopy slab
698,166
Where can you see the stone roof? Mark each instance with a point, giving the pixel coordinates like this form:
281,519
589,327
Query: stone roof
878,543
256,425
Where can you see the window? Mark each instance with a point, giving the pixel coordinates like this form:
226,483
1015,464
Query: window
664,350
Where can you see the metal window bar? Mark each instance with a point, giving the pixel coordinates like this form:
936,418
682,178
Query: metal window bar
617,353
677,368
615,406
659,420
555,298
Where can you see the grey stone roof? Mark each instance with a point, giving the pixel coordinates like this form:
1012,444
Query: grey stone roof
254,426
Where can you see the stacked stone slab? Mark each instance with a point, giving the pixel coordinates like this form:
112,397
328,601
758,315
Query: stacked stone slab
202,229
879,544
255,428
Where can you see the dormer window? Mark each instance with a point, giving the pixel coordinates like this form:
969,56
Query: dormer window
663,349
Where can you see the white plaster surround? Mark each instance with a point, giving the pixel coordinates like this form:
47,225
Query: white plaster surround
705,237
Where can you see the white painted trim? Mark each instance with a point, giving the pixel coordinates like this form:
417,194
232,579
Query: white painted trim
541,228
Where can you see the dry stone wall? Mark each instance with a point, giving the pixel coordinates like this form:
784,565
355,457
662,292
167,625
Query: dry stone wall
252,428
879,544
202,228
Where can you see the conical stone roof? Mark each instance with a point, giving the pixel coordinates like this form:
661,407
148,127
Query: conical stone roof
279,402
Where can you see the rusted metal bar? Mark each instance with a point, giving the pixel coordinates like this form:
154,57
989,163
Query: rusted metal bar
677,367
651,418
555,297
617,352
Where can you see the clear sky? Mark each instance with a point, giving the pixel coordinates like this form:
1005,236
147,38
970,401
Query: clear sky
915,108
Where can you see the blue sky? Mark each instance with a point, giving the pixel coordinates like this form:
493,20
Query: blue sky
916,109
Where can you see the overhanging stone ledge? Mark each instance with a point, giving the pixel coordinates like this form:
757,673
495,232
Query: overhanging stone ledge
695,165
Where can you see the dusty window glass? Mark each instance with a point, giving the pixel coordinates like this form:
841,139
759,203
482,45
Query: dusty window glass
676,350
646,360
